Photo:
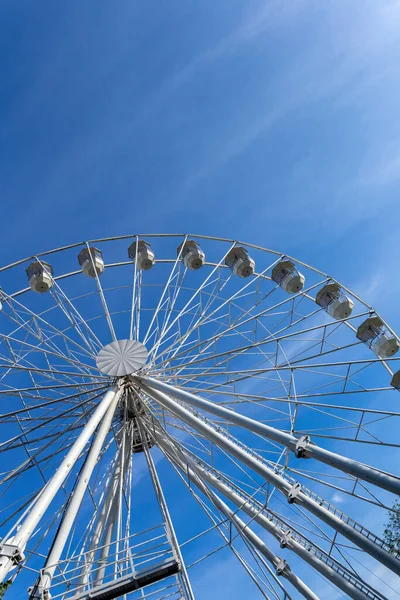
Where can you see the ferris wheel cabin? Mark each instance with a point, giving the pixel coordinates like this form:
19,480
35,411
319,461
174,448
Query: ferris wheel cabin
373,333
332,299
240,262
40,276
91,261
142,253
193,256
288,277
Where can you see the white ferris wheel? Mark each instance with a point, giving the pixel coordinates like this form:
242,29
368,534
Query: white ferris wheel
167,399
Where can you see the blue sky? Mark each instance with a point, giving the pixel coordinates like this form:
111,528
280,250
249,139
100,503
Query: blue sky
271,122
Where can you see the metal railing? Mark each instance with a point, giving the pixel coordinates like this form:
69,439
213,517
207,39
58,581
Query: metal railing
142,557
306,491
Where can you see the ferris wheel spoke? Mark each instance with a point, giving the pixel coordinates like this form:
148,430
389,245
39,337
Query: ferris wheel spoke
75,320
136,292
46,375
71,312
16,305
16,360
102,298
173,290
12,391
49,374
211,372
38,348
45,405
162,299
221,322
196,293
289,364
33,458
52,372
269,339
205,318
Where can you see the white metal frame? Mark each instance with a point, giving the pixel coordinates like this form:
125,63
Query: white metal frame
271,372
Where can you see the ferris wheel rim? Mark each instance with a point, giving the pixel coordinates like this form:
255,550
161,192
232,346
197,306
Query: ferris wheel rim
98,378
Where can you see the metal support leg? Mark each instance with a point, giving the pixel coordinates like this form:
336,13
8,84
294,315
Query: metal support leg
167,518
105,521
76,500
282,568
353,589
247,458
22,536
375,476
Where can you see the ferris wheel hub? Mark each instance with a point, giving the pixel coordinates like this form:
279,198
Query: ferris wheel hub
121,358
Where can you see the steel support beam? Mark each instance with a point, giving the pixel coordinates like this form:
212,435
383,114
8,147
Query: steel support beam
28,526
194,471
77,497
105,524
302,448
105,547
253,462
281,566
173,540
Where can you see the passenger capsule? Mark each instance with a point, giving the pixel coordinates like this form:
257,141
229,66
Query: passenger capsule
144,255
396,381
193,256
239,262
373,333
40,276
288,277
332,299
91,261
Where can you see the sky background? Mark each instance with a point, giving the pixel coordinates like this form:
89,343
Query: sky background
271,122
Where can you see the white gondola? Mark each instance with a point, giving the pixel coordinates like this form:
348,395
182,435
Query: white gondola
239,262
396,381
193,256
40,276
373,333
332,299
288,277
144,255
91,261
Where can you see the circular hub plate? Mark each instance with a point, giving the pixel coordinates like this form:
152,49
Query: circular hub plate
122,357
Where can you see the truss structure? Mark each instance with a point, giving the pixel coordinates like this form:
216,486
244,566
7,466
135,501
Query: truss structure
201,401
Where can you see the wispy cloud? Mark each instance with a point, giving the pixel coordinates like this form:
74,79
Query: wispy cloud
337,69
338,498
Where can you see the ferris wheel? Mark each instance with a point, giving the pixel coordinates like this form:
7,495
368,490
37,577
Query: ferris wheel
170,399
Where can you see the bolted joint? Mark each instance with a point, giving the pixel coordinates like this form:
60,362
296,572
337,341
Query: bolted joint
294,493
301,446
14,553
284,540
282,567
38,593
